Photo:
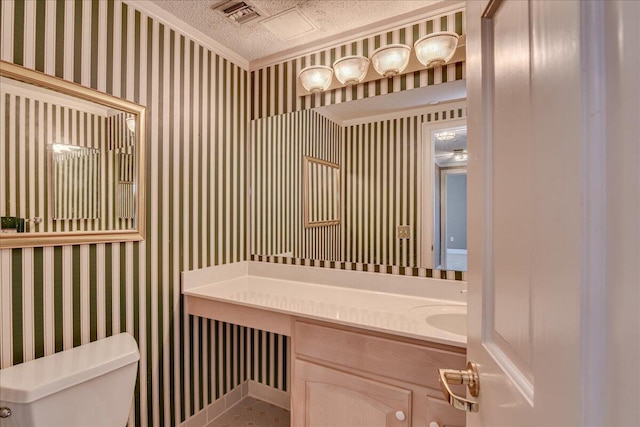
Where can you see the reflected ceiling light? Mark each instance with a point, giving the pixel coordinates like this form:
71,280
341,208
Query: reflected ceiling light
316,78
65,148
350,70
131,123
446,135
435,49
391,60
460,155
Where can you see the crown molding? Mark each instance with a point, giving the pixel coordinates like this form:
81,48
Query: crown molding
155,11
428,12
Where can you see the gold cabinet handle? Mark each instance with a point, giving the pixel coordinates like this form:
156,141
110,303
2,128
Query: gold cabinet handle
455,376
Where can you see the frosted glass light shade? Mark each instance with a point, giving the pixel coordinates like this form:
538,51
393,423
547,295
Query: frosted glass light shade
460,155
131,123
351,70
391,60
435,49
445,135
316,78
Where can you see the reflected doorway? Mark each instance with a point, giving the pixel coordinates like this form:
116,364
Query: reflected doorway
451,250
444,239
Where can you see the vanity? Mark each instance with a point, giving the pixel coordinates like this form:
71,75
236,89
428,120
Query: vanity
365,347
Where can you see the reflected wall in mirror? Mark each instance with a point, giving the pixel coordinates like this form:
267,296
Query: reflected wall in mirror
73,160
321,193
278,147
445,196
381,160
75,181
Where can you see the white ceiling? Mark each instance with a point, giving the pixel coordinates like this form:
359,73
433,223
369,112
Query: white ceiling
334,18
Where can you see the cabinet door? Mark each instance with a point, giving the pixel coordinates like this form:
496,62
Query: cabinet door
324,397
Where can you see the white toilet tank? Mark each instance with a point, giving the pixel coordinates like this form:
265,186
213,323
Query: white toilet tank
90,385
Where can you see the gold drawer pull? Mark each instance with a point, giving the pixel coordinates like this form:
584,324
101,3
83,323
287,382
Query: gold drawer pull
455,376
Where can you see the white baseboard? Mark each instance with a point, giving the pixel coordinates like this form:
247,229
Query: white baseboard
251,388
271,395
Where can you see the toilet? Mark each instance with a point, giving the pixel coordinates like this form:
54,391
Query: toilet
90,385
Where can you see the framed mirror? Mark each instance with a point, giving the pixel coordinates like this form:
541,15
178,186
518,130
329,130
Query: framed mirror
321,193
72,161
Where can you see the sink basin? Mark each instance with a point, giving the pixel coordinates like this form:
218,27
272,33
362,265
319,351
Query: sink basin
448,318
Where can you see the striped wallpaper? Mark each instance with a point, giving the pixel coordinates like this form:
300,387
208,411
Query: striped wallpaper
118,134
54,298
76,184
274,90
198,105
29,127
382,173
278,147
380,189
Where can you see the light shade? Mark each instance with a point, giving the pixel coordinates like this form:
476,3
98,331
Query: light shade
446,135
391,60
316,78
351,70
435,49
131,123
460,155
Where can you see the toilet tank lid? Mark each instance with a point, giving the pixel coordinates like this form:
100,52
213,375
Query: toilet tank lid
33,380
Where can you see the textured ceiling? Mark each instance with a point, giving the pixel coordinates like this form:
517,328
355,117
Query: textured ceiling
252,41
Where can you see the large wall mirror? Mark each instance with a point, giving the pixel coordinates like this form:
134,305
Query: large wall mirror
387,164
72,162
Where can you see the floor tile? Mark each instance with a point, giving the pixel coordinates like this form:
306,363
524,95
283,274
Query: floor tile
251,412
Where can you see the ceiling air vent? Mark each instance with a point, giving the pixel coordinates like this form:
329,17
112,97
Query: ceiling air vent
238,12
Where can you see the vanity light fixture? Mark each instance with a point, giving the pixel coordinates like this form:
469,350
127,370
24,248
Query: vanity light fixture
446,135
350,70
391,60
316,78
131,124
436,49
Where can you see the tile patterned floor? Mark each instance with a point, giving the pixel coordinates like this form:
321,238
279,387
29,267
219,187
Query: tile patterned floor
251,412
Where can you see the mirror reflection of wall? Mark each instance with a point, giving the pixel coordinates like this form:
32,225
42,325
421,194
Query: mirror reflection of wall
278,147
321,193
75,176
60,161
445,196
380,152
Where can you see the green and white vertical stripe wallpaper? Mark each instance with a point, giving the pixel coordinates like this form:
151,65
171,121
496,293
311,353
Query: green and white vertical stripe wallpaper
29,127
382,173
274,89
55,298
76,184
278,147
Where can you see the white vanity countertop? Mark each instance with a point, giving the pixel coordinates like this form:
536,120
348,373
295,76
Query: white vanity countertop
350,305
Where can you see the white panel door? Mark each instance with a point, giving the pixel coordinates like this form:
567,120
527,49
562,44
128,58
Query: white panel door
535,237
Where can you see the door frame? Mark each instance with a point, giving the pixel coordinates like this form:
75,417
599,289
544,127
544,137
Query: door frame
427,193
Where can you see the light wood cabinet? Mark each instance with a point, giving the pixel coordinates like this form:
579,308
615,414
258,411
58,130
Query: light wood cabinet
337,399
347,377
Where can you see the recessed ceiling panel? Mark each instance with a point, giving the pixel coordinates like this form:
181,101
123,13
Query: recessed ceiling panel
289,24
